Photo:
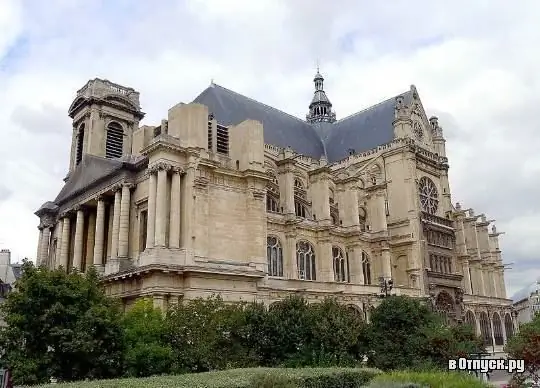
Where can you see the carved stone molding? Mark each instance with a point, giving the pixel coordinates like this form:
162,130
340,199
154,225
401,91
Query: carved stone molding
164,166
116,187
101,197
129,185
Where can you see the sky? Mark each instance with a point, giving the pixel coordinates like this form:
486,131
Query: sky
474,63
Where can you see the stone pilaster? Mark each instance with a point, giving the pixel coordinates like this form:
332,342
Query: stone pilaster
187,207
161,205
286,186
64,256
325,267
99,234
467,276
116,221
90,240
123,233
386,265
151,222
349,208
290,265
500,274
320,191
356,273
378,213
45,244
174,227
79,235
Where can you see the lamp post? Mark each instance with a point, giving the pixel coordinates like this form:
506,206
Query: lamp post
386,286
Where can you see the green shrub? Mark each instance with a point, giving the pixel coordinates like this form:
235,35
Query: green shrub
432,379
242,378
389,384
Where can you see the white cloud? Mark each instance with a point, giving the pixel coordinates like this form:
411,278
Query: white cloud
476,70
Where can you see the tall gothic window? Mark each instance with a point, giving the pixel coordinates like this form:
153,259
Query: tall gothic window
80,144
429,196
341,265
470,319
274,256
305,261
272,195
497,329
210,134
300,199
508,326
114,144
366,268
485,329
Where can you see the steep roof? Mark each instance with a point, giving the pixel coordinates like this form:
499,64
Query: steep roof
361,131
526,292
280,128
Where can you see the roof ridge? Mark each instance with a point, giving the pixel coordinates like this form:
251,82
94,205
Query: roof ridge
258,102
370,107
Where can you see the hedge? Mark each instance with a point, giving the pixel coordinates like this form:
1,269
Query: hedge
427,379
242,378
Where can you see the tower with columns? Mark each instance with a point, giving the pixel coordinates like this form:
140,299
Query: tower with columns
228,195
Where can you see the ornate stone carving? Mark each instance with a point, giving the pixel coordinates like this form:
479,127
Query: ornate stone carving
163,166
100,197
116,187
177,170
129,185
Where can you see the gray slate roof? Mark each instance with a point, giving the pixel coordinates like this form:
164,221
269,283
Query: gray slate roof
91,169
361,131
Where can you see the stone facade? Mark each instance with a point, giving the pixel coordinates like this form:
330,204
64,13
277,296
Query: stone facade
194,207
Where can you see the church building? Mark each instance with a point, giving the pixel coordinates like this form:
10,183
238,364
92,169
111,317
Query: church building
230,196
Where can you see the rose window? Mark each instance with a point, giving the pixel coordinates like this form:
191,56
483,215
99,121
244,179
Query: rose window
429,197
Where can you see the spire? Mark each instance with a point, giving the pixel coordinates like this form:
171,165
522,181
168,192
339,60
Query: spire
320,108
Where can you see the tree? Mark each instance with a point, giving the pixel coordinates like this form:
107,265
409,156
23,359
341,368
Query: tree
525,345
60,325
145,332
405,334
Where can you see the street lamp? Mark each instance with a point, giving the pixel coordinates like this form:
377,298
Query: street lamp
386,286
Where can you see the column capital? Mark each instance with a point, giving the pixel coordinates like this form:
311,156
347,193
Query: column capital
129,185
41,227
178,170
66,213
116,187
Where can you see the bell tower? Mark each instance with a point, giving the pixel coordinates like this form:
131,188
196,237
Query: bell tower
320,109
104,116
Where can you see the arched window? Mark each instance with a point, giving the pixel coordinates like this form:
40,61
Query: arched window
305,261
470,319
300,199
497,329
272,195
444,305
274,256
366,268
114,144
80,144
485,329
508,326
341,265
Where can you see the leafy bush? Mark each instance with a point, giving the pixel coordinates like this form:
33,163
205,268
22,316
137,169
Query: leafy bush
242,378
430,379
525,345
389,384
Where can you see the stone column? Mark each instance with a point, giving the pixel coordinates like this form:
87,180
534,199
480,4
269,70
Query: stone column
174,227
90,241
99,234
386,263
161,205
79,235
125,207
64,256
151,221
45,244
187,208
378,214
116,222
58,253
40,242
502,289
